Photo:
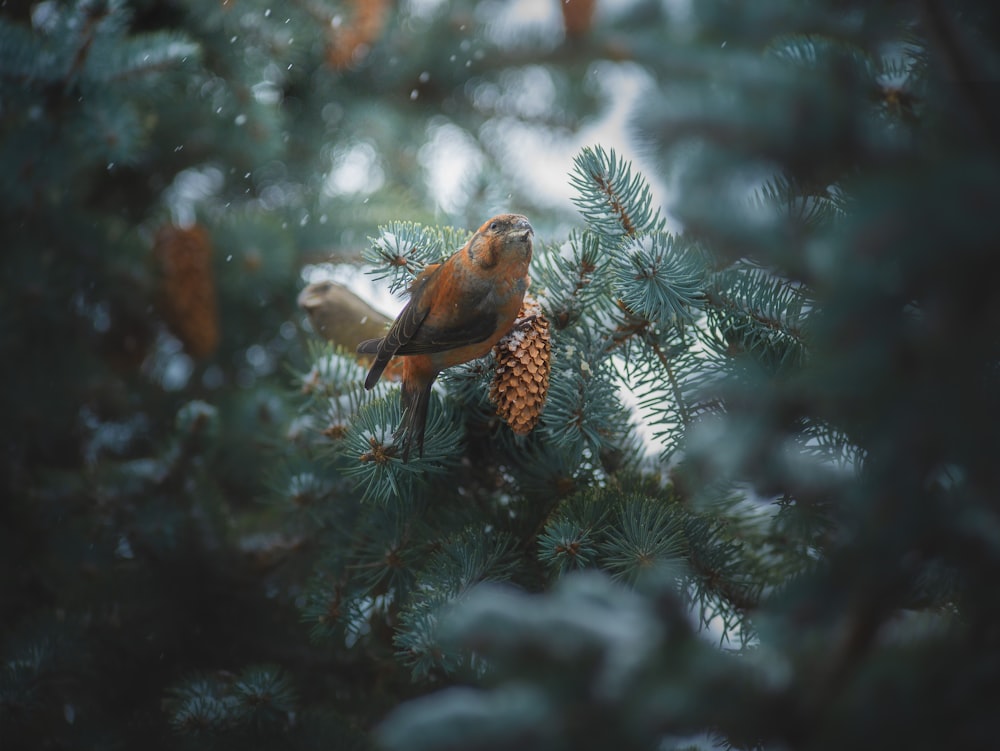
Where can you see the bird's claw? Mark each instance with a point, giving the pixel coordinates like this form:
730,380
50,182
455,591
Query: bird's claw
523,324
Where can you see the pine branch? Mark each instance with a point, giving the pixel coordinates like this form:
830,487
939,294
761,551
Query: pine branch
143,55
613,202
550,470
25,58
721,586
460,563
942,29
93,13
583,411
754,311
385,553
215,704
660,278
331,608
814,52
670,372
675,388
573,279
333,387
368,453
799,206
570,536
646,535
403,249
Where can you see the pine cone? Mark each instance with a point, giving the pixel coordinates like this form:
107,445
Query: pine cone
577,16
187,287
521,380
349,43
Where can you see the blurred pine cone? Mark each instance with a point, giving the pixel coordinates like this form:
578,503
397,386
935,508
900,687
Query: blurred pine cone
187,295
349,42
578,15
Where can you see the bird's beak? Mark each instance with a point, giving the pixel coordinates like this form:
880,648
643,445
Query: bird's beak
524,224
307,299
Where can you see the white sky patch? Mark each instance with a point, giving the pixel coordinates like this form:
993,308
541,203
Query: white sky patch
547,158
356,169
423,8
267,92
679,15
527,92
526,22
539,158
651,446
189,188
450,158
522,22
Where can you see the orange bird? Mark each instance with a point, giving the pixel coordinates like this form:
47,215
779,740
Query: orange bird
457,311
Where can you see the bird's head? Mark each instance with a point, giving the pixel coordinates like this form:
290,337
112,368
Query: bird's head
505,237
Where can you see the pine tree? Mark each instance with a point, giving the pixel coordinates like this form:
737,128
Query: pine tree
817,350
756,507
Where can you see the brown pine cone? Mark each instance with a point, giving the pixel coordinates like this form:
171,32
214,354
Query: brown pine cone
521,381
187,295
348,43
577,16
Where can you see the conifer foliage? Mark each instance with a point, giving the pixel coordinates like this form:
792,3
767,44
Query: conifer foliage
731,482
817,353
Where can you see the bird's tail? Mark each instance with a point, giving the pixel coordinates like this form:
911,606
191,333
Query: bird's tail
415,399
371,347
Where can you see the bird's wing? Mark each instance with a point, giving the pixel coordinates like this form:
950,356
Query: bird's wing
429,339
404,328
407,323
413,332
401,332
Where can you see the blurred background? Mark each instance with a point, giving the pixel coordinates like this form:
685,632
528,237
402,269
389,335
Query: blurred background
177,179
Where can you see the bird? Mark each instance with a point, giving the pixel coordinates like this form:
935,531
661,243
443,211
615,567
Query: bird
458,309
341,317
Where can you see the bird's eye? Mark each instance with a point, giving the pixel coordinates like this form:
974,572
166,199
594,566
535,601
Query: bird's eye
494,226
